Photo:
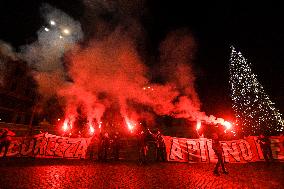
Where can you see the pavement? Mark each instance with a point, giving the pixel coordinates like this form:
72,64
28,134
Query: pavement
60,173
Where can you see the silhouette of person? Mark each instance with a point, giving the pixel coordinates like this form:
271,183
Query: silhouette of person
265,145
218,151
5,140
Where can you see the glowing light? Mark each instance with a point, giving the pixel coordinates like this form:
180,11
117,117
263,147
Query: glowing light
68,124
58,119
130,125
254,110
46,29
198,125
60,37
227,124
100,125
66,31
52,22
92,129
65,125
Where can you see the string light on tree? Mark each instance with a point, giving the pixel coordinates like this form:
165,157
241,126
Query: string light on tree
255,112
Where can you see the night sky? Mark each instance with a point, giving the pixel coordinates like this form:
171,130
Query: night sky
256,30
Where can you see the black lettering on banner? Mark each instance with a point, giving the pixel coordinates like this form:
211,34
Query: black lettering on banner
14,148
245,150
191,149
61,147
81,150
27,147
202,150
50,146
275,147
176,150
231,150
71,150
40,146
211,153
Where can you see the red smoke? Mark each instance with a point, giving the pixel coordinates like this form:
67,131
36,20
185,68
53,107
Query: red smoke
113,67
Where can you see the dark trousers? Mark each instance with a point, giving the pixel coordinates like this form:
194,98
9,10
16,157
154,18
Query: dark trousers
220,162
105,153
160,154
143,154
116,152
267,154
6,145
100,152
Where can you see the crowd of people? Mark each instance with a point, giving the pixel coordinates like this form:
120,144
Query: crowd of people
263,140
145,138
109,146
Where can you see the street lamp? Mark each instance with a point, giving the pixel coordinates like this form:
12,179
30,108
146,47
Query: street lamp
52,22
66,31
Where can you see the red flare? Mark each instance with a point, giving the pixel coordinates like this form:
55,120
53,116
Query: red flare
130,125
198,125
92,129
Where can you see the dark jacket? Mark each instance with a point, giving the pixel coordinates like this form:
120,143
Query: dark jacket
216,146
264,142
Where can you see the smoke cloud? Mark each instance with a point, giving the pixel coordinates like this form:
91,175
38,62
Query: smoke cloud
6,52
108,71
45,55
113,66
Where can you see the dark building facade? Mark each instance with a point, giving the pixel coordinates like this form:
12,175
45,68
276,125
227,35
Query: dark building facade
17,91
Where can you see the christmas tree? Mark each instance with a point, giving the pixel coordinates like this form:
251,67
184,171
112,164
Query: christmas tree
255,112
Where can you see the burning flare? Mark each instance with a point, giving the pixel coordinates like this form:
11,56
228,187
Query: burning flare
130,124
92,129
68,124
198,125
